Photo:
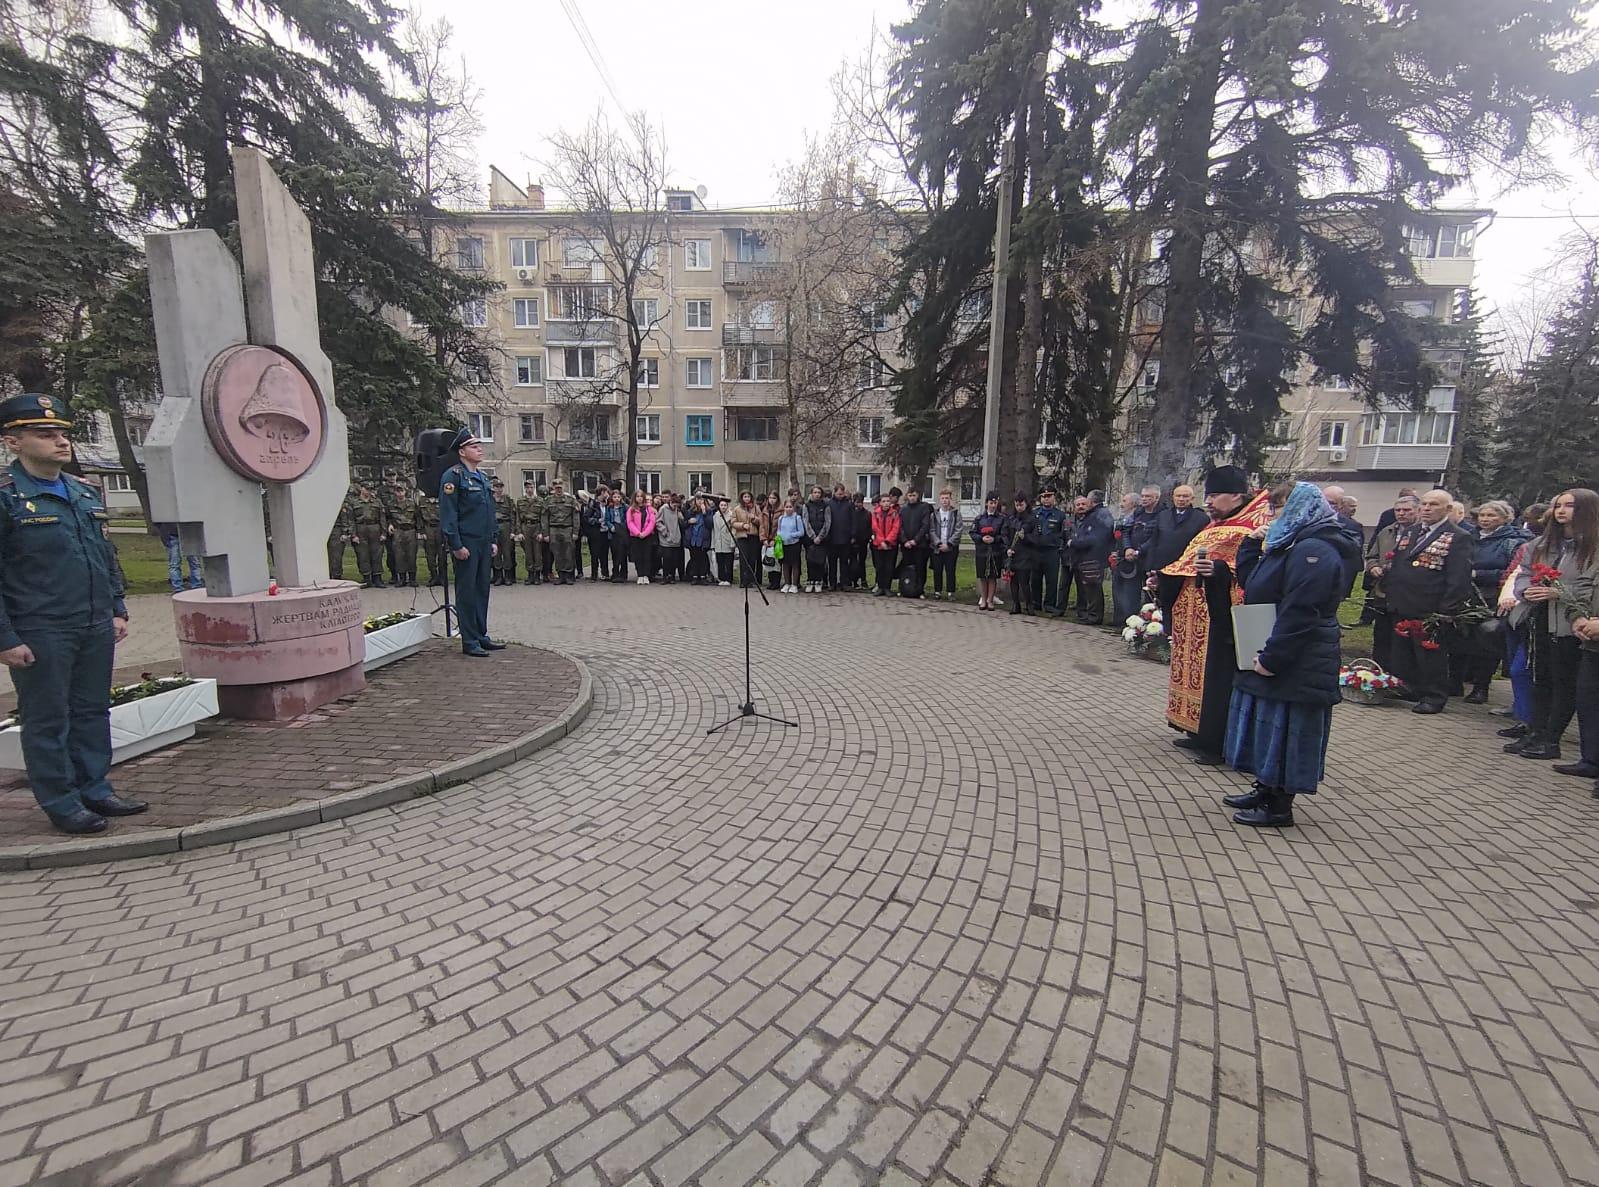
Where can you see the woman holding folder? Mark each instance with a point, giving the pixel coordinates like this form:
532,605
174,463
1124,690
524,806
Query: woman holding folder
1281,711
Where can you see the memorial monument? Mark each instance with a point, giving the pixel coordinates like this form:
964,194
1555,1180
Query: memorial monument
248,403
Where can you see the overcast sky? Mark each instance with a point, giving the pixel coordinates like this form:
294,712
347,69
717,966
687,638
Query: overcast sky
736,84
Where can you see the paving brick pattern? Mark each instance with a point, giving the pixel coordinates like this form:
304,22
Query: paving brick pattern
417,713
976,923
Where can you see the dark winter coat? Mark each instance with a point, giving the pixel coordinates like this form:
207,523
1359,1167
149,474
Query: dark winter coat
1174,530
842,528
860,521
818,520
990,525
1431,571
916,523
1306,582
1491,556
1093,535
1026,541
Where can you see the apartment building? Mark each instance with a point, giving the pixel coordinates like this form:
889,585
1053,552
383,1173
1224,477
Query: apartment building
1327,433
712,408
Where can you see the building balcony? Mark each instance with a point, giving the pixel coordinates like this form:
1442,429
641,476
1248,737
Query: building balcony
1428,459
1451,273
583,450
743,272
733,335
584,391
755,453
599,331
753,394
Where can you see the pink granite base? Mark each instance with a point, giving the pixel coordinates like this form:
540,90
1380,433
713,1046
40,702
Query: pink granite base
285,699
275,656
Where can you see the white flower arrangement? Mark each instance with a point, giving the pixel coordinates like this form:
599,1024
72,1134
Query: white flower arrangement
1145,632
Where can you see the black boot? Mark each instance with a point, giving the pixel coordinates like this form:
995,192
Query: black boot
1253,798
378,583
1477,696
1541,749
1275,811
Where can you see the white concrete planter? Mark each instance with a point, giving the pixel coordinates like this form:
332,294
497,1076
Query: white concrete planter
139,726
397,641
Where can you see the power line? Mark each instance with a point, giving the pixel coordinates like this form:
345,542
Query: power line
591,48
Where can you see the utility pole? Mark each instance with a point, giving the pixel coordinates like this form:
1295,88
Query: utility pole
996,320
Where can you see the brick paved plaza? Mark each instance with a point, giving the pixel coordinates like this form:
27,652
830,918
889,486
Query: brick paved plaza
975,923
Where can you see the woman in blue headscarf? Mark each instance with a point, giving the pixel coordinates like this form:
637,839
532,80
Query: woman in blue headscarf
1281,711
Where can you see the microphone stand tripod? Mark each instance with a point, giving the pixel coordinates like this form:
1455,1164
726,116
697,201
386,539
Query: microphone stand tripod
747,709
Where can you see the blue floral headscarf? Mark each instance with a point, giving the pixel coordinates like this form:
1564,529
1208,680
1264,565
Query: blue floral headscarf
1306,508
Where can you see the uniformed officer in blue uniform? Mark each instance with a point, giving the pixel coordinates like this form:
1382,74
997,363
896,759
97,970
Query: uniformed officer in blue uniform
61,617
466,518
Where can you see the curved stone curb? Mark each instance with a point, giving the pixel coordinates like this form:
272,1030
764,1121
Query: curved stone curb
287,819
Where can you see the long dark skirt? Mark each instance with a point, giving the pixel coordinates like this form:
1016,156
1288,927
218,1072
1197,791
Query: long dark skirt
1282,743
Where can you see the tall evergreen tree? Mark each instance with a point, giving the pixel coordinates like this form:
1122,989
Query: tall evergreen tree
1295,137
1548,436
305,84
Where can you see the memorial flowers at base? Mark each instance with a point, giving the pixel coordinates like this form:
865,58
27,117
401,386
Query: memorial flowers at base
1145,634
122,694
387,620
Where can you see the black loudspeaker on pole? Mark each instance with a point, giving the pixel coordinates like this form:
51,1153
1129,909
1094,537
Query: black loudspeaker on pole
433,457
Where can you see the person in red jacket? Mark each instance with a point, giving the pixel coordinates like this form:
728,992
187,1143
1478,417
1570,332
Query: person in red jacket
885,539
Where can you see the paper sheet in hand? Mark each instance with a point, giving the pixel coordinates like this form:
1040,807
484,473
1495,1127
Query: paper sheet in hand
1251,628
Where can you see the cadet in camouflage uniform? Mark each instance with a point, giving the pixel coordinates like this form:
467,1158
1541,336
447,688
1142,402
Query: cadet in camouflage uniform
529,532
504,528
427,515
371,527
340,536
403,529
560,522
391,509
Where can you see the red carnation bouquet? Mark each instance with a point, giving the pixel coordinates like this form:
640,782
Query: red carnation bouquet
1545,575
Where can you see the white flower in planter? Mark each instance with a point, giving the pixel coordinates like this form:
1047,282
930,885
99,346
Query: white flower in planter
1154,630
1134,621
1129,634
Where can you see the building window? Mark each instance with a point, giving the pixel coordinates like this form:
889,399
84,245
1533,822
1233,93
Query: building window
649,372
755,428
759,315
646,312
754,248
870,485
580,302
971,488
539,478
869,430
469,254
1420,308
1336,383
874,373
1280,433
474,376
119,484
699,315
578,253
699,480
1333,433
647,428
649,481
530,428
139,428
875,318
594,426
480,425
753,364
699,430
1047,437
529,370
578,361
475,313
700,373
1455,239
525,313
524,253
679,203
697,255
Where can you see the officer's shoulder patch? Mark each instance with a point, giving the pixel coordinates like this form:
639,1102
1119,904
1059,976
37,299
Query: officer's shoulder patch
449,488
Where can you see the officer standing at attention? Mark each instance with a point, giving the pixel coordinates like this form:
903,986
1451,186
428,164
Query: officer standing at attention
504,529
529,513
61,617
403,529
427,515
559,524
371,524
466,517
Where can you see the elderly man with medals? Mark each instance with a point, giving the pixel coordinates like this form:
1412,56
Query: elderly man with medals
1201,626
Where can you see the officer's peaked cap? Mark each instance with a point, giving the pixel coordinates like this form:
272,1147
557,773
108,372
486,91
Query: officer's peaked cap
31,410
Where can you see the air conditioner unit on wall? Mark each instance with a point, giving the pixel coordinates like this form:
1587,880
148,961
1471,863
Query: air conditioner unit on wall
1339,455
523,273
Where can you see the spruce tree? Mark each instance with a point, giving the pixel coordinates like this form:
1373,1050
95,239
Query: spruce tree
1263,141
1548,437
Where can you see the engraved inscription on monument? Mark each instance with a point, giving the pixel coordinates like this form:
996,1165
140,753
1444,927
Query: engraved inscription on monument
263,415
